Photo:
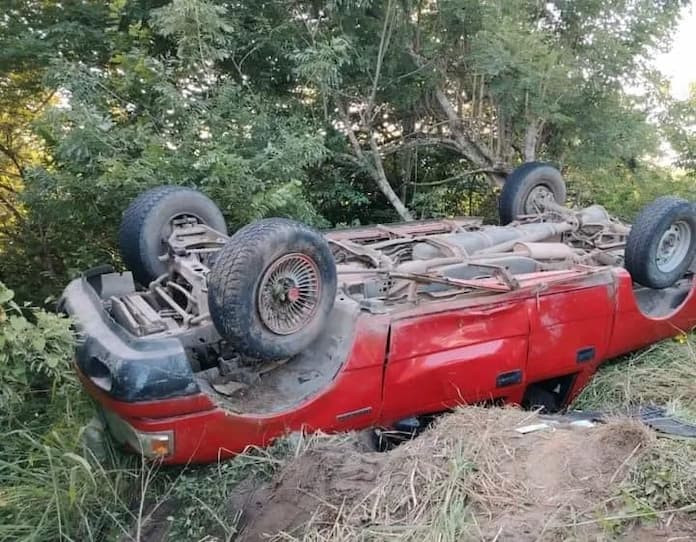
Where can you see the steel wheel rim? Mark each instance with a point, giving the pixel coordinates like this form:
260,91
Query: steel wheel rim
673,246
289,293
537,195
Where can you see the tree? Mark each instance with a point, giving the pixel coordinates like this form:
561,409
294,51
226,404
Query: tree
331,111
680,127
497,81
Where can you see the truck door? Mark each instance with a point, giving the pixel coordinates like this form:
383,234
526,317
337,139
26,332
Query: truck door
570,330
448,355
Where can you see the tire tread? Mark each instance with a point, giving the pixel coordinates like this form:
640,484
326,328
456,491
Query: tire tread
131,231
227,278
637,256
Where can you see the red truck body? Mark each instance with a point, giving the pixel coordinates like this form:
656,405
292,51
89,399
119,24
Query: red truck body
431,358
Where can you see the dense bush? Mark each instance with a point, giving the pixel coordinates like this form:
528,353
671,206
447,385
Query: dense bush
35,353
51,486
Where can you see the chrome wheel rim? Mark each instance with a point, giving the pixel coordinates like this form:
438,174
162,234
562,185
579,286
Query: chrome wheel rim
536,198
289,292
673,246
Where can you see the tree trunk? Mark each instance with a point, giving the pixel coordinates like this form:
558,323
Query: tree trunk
373,164
474,151
380,177
531,136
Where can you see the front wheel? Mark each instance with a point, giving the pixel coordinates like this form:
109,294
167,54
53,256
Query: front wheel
662,243
526,189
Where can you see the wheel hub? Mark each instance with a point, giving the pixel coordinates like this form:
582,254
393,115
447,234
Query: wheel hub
536,198
289,293
673,246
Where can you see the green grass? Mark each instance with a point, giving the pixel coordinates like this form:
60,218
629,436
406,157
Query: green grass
51,486
663,374
663,481
201,494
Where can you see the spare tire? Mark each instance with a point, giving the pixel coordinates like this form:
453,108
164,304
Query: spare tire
661,245
525,185
147,224
271,288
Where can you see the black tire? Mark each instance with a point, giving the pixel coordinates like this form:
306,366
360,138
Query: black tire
646,239
246,265
538,398
146,224
519,185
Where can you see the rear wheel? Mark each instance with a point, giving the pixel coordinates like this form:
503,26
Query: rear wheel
271,288
527,187
662,243
148,222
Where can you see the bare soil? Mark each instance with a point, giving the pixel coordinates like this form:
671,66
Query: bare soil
470,477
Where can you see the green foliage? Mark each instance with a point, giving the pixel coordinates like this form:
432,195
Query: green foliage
680,128
203,496
34,349
198,28
247,101
51,486
663,374
663,478
625,188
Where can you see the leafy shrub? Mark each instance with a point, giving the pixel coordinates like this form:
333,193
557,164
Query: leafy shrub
51,486
35,351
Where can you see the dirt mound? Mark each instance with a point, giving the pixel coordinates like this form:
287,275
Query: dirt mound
469,477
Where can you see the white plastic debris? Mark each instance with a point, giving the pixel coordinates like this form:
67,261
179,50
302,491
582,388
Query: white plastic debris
532,428
582,423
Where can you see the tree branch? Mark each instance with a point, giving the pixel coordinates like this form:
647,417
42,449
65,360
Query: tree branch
383,44
13,209
375,167
5,186
384,185
455,177
43,102
419,140
13,158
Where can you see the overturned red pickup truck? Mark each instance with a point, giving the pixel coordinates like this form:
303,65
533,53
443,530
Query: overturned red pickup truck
234,341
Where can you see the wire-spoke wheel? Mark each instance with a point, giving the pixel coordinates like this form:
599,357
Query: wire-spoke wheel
272,288
289,293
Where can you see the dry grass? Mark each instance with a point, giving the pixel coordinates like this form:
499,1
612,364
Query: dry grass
663,374
469,478
472,478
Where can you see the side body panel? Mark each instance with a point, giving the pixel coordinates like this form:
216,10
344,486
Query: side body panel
438,360
634,330
571,329
428,359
